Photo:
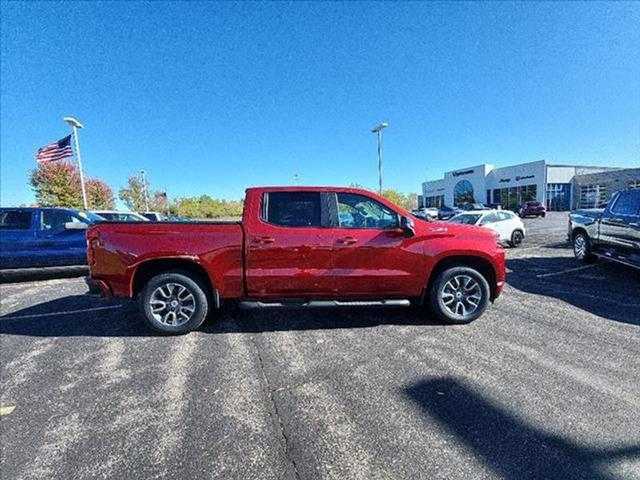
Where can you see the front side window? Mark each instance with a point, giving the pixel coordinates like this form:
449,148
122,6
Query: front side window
292,209
359,211
15,220
55,219
627,204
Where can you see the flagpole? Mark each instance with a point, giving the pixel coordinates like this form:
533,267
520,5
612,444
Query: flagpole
75,124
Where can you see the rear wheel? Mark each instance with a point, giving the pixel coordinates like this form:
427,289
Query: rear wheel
582,248
516,238
173,303
459,295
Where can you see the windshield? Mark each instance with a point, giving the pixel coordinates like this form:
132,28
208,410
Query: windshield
466,219
92,217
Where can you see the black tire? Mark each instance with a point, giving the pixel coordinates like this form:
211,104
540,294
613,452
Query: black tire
516,238
172,281
447,313
582,248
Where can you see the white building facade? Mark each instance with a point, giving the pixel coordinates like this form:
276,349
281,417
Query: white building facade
509,187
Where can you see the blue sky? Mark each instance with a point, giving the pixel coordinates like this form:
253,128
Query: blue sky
215,97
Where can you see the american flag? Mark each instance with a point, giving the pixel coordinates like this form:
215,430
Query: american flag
55,151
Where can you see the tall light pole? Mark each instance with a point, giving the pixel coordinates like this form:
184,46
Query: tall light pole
378,130
75,124
144,189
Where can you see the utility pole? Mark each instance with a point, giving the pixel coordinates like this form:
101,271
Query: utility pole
75,125
378,130
144,189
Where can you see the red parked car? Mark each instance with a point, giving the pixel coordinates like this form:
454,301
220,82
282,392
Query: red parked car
302,247
532,209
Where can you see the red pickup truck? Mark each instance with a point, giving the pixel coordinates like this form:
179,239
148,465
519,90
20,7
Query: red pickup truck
297,246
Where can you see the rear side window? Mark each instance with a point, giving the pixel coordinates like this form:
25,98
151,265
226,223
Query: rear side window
292,209
15,220
627,204
490,218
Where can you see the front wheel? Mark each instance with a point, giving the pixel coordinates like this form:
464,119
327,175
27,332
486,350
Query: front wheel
459,295
173,303
582,248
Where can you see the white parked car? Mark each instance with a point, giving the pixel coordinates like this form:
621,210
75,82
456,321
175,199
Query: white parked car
426,212
121,216
507,224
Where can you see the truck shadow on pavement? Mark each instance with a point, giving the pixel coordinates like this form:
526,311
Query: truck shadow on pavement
79,315
604,289
508,446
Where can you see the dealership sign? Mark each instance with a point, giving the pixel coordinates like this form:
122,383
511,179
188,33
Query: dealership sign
462,172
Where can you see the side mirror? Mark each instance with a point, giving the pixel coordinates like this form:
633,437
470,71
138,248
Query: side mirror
407,226
75,226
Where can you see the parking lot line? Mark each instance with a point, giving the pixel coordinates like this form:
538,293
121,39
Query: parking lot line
67,312
575,269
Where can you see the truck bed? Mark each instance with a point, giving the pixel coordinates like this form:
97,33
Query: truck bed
123,246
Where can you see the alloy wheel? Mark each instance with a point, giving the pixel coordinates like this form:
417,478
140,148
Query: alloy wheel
579,246
461,295
172,304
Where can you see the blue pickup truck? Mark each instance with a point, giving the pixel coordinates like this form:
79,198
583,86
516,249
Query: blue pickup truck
43,237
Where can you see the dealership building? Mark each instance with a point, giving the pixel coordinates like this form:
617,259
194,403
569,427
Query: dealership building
558,187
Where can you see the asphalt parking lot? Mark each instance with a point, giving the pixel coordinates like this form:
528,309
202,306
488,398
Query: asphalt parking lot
545,385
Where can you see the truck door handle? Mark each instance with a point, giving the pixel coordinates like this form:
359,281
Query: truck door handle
263,240
347,240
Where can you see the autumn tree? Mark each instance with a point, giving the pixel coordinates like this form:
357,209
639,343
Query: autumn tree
57,184
99,195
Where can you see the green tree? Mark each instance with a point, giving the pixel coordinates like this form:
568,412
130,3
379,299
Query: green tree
408,201
133,194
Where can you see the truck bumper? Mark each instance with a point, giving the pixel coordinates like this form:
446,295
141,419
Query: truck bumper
98,288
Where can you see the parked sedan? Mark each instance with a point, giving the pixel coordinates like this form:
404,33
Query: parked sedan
116,216
532,209
505,223
445,213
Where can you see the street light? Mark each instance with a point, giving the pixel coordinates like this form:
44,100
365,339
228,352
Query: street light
378,130
75,124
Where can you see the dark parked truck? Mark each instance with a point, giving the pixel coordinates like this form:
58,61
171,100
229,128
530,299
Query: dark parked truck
43,237
301,247
612,233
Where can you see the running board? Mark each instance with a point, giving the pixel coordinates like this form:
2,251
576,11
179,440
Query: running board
259,304
622,261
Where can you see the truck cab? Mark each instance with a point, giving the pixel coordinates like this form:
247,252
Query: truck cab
43,237
612,234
